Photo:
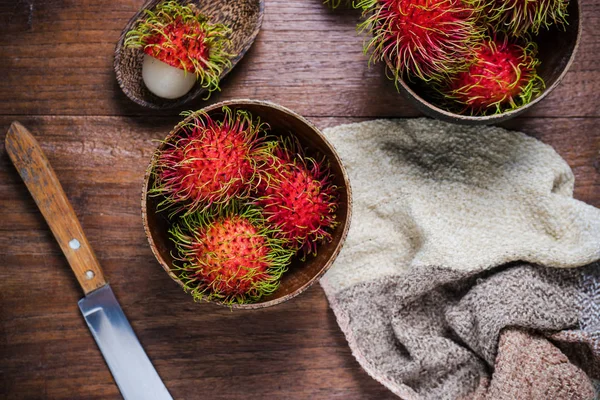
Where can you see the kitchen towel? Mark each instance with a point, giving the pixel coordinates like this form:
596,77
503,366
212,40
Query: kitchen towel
469,271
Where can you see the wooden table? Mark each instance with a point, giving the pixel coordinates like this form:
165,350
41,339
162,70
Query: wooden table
56,77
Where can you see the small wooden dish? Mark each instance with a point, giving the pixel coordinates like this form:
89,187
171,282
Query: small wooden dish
301,274
556,51
244,17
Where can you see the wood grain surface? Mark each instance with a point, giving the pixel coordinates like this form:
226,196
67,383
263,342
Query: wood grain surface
57,79
30,161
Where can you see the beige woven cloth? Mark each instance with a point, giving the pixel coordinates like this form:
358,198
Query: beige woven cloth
469,271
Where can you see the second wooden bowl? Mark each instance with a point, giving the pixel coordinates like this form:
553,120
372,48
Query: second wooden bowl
556,51
283,122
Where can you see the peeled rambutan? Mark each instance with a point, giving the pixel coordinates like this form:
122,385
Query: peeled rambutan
501,76
298,199
210,162
428,39
518,17
229,255
180,36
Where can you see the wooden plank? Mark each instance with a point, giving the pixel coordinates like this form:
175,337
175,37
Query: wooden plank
57,59
57,78
293,351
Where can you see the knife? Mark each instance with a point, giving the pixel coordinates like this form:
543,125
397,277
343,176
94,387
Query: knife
130,366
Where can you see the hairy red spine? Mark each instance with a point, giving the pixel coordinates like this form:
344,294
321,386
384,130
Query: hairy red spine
501,76
299,199
229,255
428,39
211,162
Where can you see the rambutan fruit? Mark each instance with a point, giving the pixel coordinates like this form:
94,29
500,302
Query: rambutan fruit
229,255
501,76
518,17
210,162
179,36
298,199
427,39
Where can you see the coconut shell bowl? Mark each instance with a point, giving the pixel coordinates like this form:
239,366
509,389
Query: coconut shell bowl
556,51
301,274
244,17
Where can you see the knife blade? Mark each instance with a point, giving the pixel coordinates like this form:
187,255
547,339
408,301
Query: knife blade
131,368
134,373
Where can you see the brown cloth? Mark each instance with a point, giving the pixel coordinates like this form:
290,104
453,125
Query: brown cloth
469,271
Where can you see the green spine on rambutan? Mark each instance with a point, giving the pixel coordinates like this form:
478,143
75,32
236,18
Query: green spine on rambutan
333,4
184,38
203,258
518,17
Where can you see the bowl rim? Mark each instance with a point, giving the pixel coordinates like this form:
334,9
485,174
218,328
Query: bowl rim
185,99
440,113
239,103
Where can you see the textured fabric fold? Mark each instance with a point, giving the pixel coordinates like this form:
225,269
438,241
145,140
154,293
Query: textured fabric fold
461,237
528,366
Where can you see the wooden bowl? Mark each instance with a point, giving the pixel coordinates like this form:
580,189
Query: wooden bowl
244,17
301,274
556,51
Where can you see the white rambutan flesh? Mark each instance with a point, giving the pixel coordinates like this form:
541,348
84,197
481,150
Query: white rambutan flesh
164,80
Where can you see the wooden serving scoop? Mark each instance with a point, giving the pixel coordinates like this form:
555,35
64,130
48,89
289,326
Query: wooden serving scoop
243,17
40,179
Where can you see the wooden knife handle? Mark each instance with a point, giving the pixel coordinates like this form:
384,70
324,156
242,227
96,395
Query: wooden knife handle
33,166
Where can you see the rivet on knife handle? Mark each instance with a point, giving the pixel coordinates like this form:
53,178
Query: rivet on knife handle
38,175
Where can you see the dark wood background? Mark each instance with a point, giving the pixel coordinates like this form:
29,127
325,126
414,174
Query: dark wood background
56,77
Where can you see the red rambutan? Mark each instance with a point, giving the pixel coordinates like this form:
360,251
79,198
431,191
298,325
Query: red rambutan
229,256
180,36
501,76
298,199
211,162
518,17
428,39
